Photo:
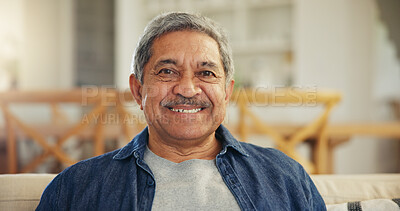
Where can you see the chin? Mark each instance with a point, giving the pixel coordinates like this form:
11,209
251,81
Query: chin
190,132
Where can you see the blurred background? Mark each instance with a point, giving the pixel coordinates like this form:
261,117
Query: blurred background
349,47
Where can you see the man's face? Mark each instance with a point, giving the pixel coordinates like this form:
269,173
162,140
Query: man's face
184,94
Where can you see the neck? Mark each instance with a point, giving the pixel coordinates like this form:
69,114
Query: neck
181,150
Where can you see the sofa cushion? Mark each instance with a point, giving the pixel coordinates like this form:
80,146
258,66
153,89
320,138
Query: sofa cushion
336,189
22,191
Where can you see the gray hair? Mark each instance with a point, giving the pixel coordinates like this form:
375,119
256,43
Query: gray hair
180,21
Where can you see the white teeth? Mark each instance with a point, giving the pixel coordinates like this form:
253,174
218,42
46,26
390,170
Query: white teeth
186,111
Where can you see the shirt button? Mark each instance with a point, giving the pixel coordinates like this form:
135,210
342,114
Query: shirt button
150,182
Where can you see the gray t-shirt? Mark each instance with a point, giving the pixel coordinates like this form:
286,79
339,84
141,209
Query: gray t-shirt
189,185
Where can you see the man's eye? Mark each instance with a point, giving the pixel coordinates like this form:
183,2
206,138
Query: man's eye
165,71
207,74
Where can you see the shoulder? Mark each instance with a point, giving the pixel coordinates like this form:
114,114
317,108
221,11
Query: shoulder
273,170
271,162
84,171
253,153
267,154
78,182
94,164
90,171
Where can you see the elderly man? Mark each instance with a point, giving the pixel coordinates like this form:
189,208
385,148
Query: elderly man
185,159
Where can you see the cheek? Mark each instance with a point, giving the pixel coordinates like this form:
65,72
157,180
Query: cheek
151,91
153,95
217,95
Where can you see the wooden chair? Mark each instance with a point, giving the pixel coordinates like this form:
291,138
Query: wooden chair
316,129
100,101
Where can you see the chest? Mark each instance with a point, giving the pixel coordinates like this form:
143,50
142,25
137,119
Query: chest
190,185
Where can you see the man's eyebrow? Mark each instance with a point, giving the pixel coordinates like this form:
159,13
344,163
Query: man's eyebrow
208,64
163,62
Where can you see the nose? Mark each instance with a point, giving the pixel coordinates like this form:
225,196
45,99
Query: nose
187,87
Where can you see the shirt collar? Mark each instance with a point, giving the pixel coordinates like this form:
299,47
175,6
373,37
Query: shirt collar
135,147
228,141
138,144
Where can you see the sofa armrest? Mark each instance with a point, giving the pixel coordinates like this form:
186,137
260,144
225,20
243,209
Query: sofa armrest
22,191
336,189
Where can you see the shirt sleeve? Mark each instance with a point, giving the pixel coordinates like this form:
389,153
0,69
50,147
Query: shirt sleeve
49,198
316,201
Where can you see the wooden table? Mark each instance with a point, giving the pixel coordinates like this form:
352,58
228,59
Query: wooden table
339,134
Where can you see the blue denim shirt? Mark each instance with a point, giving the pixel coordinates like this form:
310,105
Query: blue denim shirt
259,178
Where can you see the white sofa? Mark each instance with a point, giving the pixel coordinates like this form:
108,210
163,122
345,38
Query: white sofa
23,191
368,191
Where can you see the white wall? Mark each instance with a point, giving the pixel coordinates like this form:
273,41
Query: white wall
48,42
11,30
335,48
67,45
129,25
387,66
47,46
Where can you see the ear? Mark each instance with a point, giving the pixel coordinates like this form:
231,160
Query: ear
229,90
136,89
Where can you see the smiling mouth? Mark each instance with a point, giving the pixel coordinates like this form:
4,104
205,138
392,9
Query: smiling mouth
189,111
